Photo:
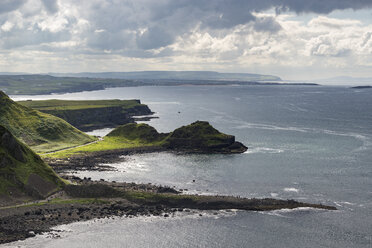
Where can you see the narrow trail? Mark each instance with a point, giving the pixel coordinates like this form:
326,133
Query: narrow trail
68,148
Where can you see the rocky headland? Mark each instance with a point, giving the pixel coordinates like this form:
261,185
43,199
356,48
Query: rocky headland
88,115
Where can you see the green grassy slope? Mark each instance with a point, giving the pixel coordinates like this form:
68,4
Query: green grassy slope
41,131
22,172
141,132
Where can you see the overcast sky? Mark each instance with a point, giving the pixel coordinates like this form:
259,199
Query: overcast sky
293,39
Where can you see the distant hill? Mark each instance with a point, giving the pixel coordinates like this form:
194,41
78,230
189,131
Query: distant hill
23,175
362,87
65,83
173,75
43,132
346,80
44,84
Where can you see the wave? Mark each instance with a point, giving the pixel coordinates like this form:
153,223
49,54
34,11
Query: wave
159,103
263,150
283,213
366,141
291,190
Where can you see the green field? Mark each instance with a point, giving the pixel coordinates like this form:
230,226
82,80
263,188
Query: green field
49,105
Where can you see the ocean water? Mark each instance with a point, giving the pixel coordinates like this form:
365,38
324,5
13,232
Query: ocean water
312,144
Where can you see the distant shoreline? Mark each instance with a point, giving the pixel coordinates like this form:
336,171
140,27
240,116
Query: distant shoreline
46,85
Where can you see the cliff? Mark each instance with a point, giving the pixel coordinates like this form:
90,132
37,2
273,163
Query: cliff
90,115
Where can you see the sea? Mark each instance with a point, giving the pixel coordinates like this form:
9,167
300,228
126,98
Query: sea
308,143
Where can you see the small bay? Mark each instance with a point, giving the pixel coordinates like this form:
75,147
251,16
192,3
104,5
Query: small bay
312,144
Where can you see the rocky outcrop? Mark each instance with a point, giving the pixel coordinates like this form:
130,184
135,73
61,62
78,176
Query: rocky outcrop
200,136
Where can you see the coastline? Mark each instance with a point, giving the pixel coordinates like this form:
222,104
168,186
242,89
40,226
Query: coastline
94,200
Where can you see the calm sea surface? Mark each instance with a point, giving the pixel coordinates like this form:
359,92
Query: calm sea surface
312,144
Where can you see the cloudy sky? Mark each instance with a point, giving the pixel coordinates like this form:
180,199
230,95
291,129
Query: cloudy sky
293,39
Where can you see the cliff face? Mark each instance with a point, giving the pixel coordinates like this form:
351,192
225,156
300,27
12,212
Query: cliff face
90,115
23,174
90,119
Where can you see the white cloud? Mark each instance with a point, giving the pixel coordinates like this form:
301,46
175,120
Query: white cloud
7,26
246,36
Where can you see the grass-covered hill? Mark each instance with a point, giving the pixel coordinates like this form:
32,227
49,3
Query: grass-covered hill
43,132
92,114
141,132
23,175
198,137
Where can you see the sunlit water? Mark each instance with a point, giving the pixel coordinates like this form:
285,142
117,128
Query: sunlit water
312,144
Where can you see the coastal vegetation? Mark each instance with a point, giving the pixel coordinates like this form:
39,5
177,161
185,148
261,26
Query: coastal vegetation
42,132
91,114
198,137
23,174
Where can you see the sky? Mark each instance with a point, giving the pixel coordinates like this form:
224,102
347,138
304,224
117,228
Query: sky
293,39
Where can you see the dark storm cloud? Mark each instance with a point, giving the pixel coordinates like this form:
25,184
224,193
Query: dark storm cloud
10,5
266,24
163,21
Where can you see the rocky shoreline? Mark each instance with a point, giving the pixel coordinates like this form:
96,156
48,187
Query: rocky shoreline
94,161
94,200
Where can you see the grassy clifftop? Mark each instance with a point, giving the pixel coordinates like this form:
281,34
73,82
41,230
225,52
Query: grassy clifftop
198,137
22,172
93,114
41,131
